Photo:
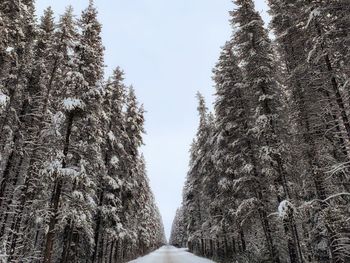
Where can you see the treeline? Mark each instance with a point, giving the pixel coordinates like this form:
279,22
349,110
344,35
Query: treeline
269,177
73,183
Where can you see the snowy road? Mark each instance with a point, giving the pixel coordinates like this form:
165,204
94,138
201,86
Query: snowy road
170,254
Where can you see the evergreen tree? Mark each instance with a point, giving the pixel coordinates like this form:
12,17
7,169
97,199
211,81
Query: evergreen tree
235,160
276,142
69,146
256,56
318,108
108,222
178,231
81,105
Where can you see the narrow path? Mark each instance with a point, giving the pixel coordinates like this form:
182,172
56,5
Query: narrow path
170,254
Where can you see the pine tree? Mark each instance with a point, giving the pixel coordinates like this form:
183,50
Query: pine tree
19,20
69,146
81,106
134,121
46,135
234,160
18,25
30,124
193,188
108,221
255,53
178,232
318,106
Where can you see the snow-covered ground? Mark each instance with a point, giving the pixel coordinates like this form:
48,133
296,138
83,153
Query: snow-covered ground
170,254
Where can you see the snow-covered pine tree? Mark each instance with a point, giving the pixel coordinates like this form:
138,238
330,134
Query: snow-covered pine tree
18,28
326,21
193,194
234,158
109,227
79,160
31,120
318,110
207,172
18,25
255,53
46,135
148,231
134,126
21,97
65,139
178,231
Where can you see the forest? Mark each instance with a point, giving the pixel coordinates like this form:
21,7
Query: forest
269,175
269,171
73,181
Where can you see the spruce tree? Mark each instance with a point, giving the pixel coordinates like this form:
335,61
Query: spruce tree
69,146
255,54
234,158
108,221
81,105
318,109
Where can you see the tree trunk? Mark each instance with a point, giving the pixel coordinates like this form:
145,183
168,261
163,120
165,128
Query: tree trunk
55,200
67,241
14,182
234,250
268,235
111,252
242,238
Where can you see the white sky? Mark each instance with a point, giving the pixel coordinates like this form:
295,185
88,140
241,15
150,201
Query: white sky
167,49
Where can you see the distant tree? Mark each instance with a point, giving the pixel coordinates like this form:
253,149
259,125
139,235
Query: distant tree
178,234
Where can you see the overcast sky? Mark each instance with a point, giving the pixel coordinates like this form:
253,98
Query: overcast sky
167,49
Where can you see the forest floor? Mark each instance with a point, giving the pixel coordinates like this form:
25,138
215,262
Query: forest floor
170,254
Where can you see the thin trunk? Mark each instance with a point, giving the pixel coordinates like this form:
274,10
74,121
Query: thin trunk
111,252
335,86
217,242
100,254
211,248
288,222
13,90
262,211
117,255
226,250
67,241
52,223
242,238
234,250
268,234
11,199
97,236
55,200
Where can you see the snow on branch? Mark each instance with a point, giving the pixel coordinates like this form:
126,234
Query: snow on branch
313,14
327,199
3,99
285,209
72,103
